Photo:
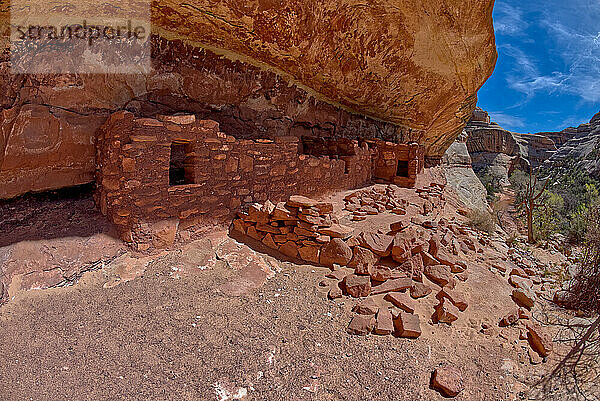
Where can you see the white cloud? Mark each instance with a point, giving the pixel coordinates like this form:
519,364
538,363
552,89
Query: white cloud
507,120
525,76
580,51
509,20
573,30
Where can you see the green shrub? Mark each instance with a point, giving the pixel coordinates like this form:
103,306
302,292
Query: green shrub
547,217
565,203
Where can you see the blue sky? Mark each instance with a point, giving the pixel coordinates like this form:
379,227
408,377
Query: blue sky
548,72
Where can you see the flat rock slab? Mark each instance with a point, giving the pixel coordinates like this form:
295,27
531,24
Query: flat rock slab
407,325
367,306
539,339
379,243
420,290
402,301
357,286
445,312
385,323
399,284
523,297
455,297
361,325
439,274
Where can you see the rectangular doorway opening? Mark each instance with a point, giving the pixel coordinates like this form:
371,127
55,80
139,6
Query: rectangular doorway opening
181,169
402,169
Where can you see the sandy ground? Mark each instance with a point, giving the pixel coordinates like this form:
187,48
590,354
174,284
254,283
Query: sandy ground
160,337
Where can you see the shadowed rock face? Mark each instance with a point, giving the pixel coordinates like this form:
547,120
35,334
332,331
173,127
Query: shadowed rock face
401,70
416,63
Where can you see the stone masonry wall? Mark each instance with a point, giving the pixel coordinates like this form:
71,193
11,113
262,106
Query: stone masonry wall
388,155
133,158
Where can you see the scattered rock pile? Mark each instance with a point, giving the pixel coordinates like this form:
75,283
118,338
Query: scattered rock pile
300,228
373,201
376,200
530,281
391,270
528,276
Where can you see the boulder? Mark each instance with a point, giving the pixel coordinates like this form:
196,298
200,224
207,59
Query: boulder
298,201
381,273
401,248
283,213
253,233
269,242
362,260
445,312
379,243
429,260
367,306
407,325
524,297
399,284
257,214
161,233
520,282
385,323
455,297
420,290
402,301
289,249
335,291
309,253
361,325
539,339
357,286
517,271
448,381
337,231
335,252
439,274
337,274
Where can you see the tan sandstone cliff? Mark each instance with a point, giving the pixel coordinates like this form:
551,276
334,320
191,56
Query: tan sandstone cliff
402,70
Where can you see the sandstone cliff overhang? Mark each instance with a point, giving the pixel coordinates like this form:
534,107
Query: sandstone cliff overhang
401,70
415,63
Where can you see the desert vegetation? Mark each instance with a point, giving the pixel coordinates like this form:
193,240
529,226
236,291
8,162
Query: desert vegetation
563,202
579,370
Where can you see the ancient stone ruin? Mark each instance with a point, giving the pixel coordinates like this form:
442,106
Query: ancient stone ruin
157,174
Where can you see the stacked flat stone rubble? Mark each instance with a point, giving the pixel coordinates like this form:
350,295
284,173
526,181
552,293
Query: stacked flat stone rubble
389,270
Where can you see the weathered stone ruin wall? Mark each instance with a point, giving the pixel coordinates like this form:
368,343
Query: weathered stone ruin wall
221,172
388,157
134,160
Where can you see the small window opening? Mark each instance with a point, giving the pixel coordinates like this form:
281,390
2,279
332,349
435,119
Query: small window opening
402,170
181,169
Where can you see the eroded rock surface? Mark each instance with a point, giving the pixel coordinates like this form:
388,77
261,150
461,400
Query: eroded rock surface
583,149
